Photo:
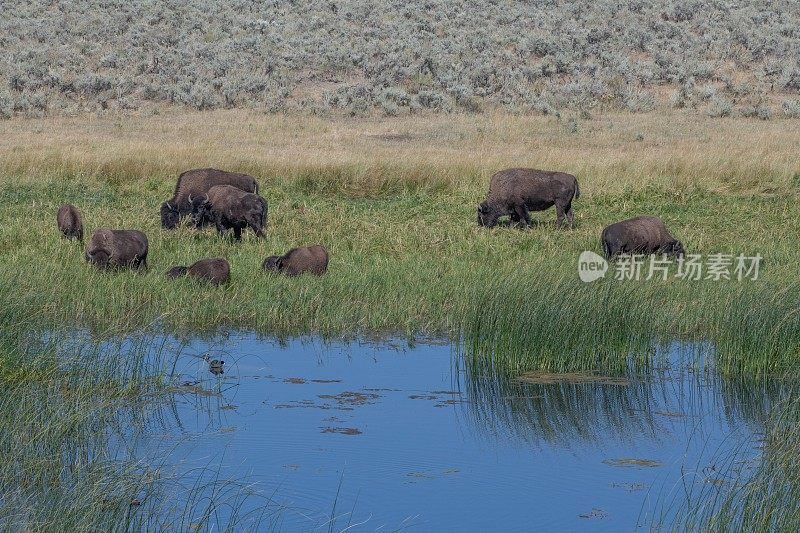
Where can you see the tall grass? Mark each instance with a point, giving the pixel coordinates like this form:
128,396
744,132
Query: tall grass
562,325
558,325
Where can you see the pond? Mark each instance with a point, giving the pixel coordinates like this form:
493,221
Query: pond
391,436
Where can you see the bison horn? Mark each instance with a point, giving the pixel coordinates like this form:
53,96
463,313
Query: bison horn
207,198
190,198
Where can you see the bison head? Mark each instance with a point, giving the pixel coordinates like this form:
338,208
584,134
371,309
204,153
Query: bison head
201,210
99,258
169,215
486,217
272,264
677,249
177,271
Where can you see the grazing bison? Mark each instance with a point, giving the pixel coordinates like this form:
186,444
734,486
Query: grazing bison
216,271
117,248
517,191
196,183
640,235
230,208
69,221
311,259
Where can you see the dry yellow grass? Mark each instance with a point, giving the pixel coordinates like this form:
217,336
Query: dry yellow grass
609,153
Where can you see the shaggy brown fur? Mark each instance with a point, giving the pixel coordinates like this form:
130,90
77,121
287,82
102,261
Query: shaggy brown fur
69,222
517,191
117,248
195,183
640,235
230,208
305,259
216,271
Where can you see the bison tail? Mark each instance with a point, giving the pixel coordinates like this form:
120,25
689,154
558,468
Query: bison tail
606,248
577,190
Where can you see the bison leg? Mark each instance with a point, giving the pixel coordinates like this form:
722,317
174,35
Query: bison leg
220,227
560,212
570,216
237,233
522,215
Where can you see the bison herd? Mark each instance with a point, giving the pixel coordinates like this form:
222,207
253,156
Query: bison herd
226,200
230,201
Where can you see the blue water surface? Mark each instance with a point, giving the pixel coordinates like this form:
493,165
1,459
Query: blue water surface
394,437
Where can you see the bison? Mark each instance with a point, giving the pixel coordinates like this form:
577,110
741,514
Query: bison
196,183
517,191
69,222
117,248
231,208
216,271
311,259
640,235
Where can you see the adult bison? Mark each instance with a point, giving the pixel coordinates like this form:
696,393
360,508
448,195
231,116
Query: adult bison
305,259
69,222
196,183
517,191
117,248
216,271
640,235
228,207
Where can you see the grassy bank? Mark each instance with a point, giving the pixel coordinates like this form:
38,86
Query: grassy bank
394,202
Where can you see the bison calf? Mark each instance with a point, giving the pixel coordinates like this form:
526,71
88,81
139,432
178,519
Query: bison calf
517,191
117,248
311,259
69,221
196,183
216,271
640,235
230,208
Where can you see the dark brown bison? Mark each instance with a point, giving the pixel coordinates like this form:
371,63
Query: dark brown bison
640,235
196,183
117,248
69,222
216,271
230,208
311,259
517,191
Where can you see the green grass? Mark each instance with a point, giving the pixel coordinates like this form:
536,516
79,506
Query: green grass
415,263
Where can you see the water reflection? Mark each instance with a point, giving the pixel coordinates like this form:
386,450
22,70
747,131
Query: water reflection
654,406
